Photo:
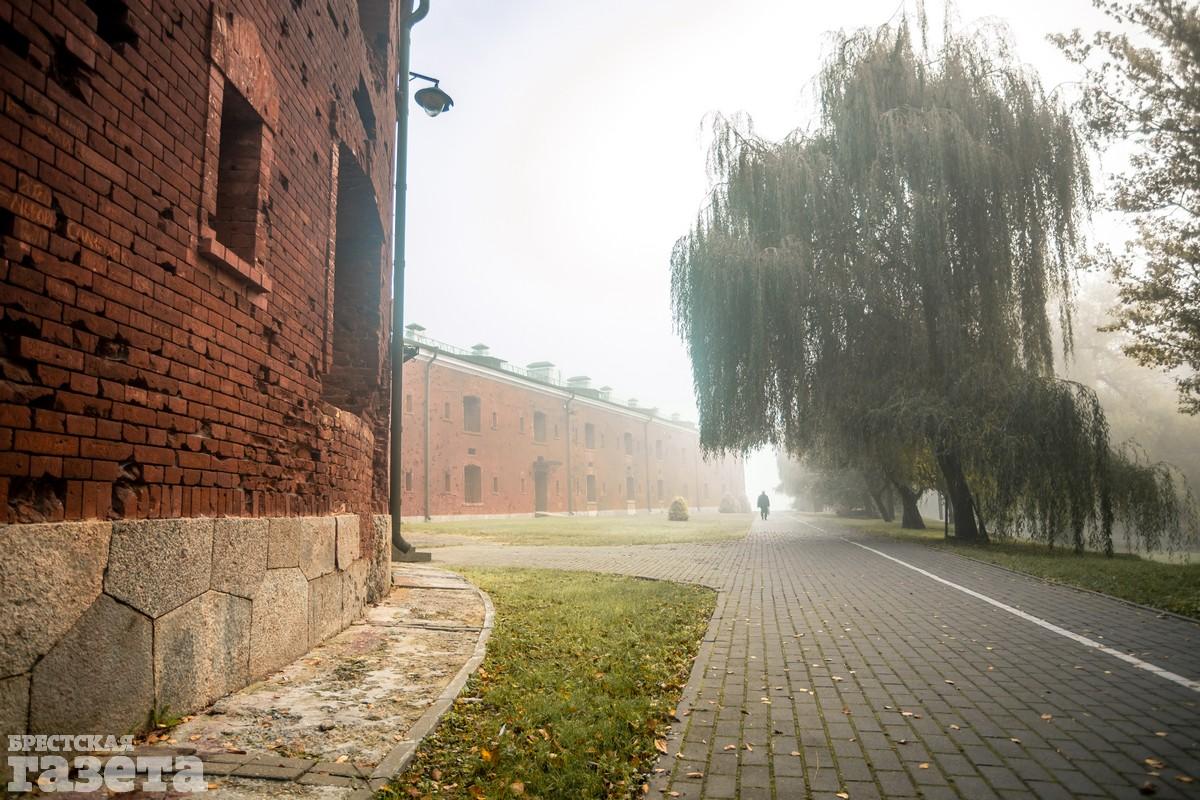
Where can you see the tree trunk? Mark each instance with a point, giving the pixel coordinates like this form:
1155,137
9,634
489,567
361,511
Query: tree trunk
912,515
883,503
965,527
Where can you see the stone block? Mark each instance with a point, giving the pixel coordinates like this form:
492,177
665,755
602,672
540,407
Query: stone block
380,581
318,545
14,704
239,555
99,677
49,575
324,607
278,621
283,542
201,651
157,565
354,591
349,548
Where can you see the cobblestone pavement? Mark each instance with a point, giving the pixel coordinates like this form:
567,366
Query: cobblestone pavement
829,670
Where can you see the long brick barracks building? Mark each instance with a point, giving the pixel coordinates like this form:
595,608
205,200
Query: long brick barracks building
483,437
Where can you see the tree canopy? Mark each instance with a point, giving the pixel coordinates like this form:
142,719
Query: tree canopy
878,285
1145,88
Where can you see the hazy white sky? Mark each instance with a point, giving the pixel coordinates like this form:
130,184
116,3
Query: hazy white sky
544,205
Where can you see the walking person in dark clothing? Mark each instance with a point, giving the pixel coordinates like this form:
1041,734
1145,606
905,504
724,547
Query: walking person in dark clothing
764,504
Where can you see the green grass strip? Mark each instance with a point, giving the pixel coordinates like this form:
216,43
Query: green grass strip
580,680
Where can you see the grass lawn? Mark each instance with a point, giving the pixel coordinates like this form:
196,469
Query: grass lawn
1163,585
581,676
581,530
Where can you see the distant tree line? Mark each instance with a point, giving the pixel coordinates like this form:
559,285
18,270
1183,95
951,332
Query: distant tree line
873,295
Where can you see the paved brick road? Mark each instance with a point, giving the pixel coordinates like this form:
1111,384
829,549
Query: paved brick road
828,668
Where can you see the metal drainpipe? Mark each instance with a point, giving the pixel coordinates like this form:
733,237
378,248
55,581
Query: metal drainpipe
570,492
646,445
428,425
395,462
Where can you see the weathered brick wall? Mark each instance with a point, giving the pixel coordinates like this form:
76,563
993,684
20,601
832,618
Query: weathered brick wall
507,451
168,319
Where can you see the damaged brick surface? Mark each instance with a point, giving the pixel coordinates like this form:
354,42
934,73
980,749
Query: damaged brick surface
169,192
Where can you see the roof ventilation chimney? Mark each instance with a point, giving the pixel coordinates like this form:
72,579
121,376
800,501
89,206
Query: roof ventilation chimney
543,371
579,382
605,392
480,349
633,402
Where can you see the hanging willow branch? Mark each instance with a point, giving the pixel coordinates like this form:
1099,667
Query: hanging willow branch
878,286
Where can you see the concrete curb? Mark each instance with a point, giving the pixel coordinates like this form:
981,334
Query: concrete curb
400,756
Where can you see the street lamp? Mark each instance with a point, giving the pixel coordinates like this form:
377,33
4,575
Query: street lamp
434,101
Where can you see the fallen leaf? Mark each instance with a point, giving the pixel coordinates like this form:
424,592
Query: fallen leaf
1047,717
660,745
516,787
1156,763
795,752
749,747
923,765
842,795
949,682
1185,779
487,755
731,747
1015,740
695,774
955,728
1160,733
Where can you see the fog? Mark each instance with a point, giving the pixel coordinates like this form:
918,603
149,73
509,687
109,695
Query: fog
544,205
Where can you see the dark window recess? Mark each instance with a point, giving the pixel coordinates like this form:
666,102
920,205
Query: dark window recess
408,480
472,484
495,485
373,20
589,436
591,488
353,378
629,444
239,167
362,101
112,22
471,414
630,488
539,426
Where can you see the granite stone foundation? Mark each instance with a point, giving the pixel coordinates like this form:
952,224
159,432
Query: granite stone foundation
105,625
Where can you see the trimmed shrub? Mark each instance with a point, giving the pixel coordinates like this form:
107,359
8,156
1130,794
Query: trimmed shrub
728,505
678,512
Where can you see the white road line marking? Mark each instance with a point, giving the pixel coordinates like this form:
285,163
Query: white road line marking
1050,626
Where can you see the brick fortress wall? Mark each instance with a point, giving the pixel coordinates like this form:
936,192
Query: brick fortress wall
194,206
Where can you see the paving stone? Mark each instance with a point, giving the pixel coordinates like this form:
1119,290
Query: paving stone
239,555
318,546
51,574
158,565
278,621
201,651
348,540
283,542
80,687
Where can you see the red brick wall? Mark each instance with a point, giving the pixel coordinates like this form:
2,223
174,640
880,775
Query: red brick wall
509,452
147,371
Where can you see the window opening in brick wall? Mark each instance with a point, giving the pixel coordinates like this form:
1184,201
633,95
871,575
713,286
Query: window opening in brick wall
373,20
471,413
353,378
628,444
539,426
589,436
494,421
112,22
447,481
660,490
472,484
362,101
446,410
408,403
521,426
658,448
239,168
408,480
591,488
630,487
495,485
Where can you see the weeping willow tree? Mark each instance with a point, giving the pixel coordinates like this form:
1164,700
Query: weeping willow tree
881,283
